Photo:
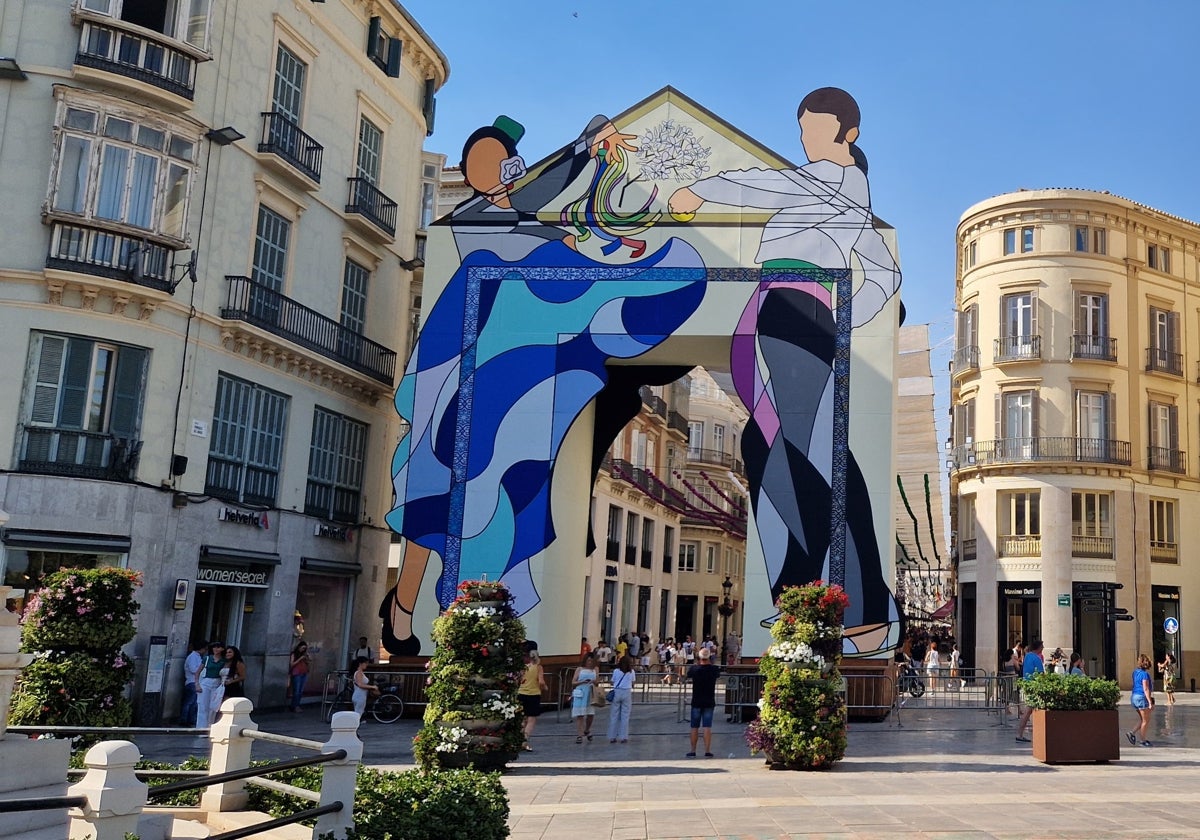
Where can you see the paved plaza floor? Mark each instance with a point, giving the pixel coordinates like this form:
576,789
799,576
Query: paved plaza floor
941,774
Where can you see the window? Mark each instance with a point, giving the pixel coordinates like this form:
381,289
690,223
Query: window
287,96
631,538
1019,338
1164,437
668,548
428,198
1020,514
335,466
966,340
970,253
1091,239
245,451
83,407
964,423
385,51
1163,547
648,544
1013,236
637,449
1164,352
612,551
1016,425
1095,423
114,164
718,437
182,20
370,150
1158,258
710,564
695,437
687,557
967,528
1091,314
354,296
1091,514
270,249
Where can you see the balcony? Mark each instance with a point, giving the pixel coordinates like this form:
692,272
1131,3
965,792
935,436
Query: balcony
1017,348
78,454
1099,547
284,139
965,359
139,54
107,253
1020,546
241,483
612,550
1166,460
1025,450
710,456
968,550
337,504
367,201
1164,552
1095,347
267,309
677,422
1164,361
656,404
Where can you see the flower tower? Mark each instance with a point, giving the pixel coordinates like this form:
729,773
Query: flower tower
802,722
473,717
75,626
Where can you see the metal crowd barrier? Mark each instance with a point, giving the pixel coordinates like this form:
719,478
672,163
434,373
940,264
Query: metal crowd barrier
993,694
336,694
648,689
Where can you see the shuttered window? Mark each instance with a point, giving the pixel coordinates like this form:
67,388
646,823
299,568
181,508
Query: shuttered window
246,449
335,466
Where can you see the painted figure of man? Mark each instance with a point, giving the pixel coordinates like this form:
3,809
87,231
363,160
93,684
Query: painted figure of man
810,507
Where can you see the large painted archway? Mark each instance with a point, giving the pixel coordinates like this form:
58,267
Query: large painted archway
658,239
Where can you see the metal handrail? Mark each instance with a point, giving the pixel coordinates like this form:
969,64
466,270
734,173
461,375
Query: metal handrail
1164,361
164,791
138,56
42,803
966,358
282,137
368,201
1093,347
1012,348
1019,450
108,252
259,828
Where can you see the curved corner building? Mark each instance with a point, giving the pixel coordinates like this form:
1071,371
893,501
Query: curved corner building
1075,403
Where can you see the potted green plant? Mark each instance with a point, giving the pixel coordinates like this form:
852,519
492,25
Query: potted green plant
1075,718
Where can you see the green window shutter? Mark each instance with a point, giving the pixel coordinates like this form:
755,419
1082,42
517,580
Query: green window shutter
429,106
75,384
127,393
46,381
1174,427
395,50
1110,416
374,28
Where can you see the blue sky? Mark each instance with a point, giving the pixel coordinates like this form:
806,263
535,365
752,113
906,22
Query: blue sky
961,100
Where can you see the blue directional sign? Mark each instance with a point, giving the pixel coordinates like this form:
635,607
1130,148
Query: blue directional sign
1171,626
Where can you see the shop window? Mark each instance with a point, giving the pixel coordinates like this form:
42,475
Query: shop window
26,568
335,467
246,448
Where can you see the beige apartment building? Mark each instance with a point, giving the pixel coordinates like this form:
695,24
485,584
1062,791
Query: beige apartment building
1076,403
209,225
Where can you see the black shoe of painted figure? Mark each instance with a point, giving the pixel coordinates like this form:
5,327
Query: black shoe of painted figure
410,646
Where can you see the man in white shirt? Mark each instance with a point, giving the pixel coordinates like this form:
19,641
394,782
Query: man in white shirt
603,653
187,708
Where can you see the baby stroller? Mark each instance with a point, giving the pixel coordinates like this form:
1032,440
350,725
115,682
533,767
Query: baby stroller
910,680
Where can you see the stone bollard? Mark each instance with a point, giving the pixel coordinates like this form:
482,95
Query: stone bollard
230,751
115,795
340,776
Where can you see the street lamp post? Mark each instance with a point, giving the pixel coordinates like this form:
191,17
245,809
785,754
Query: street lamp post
725,609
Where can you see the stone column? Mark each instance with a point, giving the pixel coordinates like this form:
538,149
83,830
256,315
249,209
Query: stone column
1057,630
230,751
338,782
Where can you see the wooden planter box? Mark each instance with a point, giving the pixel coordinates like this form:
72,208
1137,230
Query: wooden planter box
1065,737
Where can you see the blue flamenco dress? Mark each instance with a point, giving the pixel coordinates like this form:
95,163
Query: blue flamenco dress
510,354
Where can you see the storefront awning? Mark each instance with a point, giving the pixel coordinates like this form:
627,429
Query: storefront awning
66,541
332,567
237,556
944,611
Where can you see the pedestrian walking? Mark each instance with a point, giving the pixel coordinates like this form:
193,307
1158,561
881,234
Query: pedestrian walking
1142,699
704,676
618,720
1076,666
209,691
1030,665
533,683
1170,671
187,708
933,662
363,687
298,673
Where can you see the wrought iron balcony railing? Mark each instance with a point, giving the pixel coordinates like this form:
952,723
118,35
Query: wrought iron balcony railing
711,456
89,249
612,550
965,359
1099,347
138,56
78,454
1164,361
631,555
266,308
367,201
1015,348
1166,459
1162,551
1023,450
677,421
282,137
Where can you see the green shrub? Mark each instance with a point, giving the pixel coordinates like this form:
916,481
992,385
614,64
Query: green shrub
1070,693
75,625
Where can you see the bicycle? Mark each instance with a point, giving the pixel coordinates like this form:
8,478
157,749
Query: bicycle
385,706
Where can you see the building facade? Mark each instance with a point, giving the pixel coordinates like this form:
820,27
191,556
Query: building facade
209,229
1075,403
